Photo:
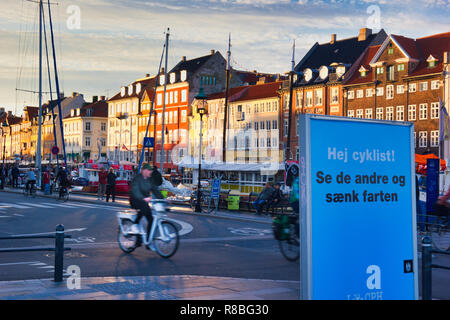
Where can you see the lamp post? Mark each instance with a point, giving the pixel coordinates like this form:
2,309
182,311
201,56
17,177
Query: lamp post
4,125
154,137
201,110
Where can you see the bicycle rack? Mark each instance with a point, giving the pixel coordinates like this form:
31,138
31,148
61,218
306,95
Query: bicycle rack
59,249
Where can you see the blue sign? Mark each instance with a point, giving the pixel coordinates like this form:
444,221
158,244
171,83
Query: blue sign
215,189
149,142
357,198
432,183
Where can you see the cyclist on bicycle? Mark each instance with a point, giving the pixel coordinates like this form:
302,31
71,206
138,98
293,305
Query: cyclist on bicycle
31,180
142,185
63,181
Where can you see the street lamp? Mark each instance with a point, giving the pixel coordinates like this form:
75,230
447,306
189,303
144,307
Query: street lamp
4,125
201,110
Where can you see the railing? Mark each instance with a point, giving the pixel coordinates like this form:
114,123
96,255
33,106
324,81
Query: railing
427,267
58,249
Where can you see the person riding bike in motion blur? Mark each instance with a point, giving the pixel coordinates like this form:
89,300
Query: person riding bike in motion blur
63,181
142,185
31,180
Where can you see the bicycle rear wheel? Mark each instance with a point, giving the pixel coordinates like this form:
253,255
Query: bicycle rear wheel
127,243
208,205
167,245
290,248
440,238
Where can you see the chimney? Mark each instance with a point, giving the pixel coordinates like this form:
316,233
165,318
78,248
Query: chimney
61,95
184,58
262,80
147,75
102,98
364,34
9,113
163,71
213,51
333,38
94,99
74,94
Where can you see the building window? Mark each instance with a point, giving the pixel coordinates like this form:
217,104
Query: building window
88,126
390,113
412,113
87,141
435,110
400,89
435,85
369,113
380,70
390,73
423,86
274,124
256,126
351,94
423,111
380,92
434,139
286,127
351,113
379,113
401,67
262,125
390,92
391,51
412,87
335,95
422,139
360,94
369,93
309,99
400,113
268,125
360,113
318,97
103,126
184,96
183,116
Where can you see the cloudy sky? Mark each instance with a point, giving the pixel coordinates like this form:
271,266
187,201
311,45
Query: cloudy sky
104,44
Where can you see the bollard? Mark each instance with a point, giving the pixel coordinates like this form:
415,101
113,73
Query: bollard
426,268
59,253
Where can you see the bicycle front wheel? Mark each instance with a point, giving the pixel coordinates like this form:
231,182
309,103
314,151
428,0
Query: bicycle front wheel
167,244
127,243
440,238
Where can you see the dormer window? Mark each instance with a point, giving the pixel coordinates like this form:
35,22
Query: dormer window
138,88
363,72
183,75
78,112
432,61
172,77
72,113
162,79
122,91
130,89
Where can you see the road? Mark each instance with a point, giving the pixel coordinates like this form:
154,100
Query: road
209,246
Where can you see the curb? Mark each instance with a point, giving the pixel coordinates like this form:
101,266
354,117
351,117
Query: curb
93,201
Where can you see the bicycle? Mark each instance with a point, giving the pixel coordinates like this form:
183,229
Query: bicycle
437,228
63,193
286,230
31,191
207,203
163,237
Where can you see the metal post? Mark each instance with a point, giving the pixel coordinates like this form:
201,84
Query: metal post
426,268
59,253
198,207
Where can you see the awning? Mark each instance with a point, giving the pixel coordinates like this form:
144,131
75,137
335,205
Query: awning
241,167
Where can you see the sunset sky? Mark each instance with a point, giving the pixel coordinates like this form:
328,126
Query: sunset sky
119,41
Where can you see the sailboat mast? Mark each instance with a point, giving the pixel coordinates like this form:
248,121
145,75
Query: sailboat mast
164,103
288,154
225,117
39,142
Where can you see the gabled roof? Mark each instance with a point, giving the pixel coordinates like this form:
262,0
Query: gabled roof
145,83
365,62
32,112
191,66
345,51
261,91
231,92
99,110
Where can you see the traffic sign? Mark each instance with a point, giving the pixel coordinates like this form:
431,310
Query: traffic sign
149,142
432,183
55,150
215,189
358,210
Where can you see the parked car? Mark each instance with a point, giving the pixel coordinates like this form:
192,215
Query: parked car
80,181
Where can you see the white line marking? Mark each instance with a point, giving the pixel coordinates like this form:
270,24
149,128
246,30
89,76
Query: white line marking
37,205
47,267
59,205
83,205
11,205
185,227
17,263
45,233
38,264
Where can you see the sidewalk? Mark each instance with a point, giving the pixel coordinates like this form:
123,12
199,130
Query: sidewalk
175,208
182,287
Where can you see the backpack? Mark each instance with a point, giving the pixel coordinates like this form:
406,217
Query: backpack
156,178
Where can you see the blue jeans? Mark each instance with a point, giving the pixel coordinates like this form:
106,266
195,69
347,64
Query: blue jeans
258,205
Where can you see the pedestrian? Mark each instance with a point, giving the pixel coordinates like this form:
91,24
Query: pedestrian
3,176
277,196
102,180
15,176
111,185
46,181
263,198
294,196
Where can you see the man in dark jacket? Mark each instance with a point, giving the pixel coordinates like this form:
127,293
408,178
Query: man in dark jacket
142,185
15,177
263,198
111,185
